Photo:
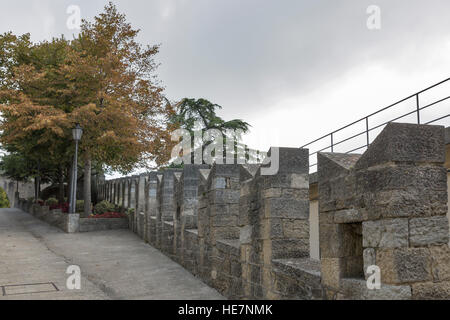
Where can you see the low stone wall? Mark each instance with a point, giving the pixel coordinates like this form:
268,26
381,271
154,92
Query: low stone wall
68,223
297,279
248,234
71,223
92,224
207,220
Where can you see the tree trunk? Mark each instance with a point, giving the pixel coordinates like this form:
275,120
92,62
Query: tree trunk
61,185
87,186
36,189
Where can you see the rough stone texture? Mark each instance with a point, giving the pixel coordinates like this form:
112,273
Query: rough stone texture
167,207
73,223
152,207
274,212
355,289
392,233
219,213
141,224
428,231
68,223
348,216
440,263
90,225
404,265
247,234
405,143
297,279
431,291
396,194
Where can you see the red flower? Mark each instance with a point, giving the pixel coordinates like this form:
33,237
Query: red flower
64,207
109,215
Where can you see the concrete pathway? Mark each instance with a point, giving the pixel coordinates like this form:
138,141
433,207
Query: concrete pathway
114,264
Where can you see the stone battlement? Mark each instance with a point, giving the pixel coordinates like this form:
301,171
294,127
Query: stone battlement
252,236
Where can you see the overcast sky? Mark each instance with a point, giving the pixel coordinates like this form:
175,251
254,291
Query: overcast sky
293,69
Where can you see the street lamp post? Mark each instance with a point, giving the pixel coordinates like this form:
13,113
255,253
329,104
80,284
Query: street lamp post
77,133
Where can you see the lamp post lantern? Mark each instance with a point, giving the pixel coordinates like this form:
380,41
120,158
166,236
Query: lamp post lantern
77,133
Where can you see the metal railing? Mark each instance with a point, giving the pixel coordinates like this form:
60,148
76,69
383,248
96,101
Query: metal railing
368,132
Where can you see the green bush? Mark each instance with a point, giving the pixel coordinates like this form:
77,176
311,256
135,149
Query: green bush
130,211
79,208
104,207
4,201
51,202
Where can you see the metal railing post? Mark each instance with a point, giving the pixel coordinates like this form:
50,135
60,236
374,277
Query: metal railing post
367,131
418,108
376,126
332,147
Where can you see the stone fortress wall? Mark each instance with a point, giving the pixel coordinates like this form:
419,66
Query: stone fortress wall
293,235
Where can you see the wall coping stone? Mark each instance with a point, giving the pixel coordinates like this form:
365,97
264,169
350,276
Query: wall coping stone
193,231
231,246
299,266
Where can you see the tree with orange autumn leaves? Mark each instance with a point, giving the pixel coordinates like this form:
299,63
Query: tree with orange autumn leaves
103,79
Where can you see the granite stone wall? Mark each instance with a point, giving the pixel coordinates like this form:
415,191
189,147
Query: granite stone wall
248,234
70,223
386,208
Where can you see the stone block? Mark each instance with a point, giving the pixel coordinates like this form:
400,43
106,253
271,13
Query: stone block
291,160
332,165
428,231
440,264
299,181
73,223
224,196
331,271
290,248
271,193
400,177
401,142
348,216
431,291
326,217
295,229
286,208
356,289
404,265
392,233
223,220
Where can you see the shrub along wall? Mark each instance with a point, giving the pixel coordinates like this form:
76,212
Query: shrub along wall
71,223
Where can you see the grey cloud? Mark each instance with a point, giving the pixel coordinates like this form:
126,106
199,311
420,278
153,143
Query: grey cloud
247,55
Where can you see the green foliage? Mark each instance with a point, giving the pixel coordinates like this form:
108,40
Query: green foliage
173,166
79,207
195,115
16,167
4,201
104,207
130,211
189,112
51,202
103,79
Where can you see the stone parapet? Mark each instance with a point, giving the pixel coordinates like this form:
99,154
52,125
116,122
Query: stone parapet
247,234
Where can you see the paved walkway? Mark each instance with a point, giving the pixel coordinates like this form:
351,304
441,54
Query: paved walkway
114,264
